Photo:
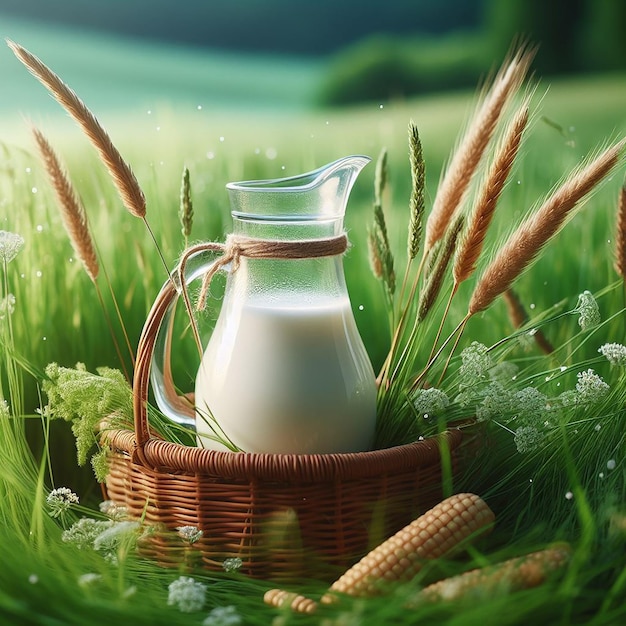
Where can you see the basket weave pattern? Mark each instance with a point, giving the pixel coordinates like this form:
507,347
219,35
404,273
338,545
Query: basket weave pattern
284,515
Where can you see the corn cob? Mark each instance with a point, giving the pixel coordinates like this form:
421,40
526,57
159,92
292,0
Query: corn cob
430,536
296,602
519,573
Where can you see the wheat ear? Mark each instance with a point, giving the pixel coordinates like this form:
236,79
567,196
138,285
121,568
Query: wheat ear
123,177
455,182
70,206
620,234
471,243
526,242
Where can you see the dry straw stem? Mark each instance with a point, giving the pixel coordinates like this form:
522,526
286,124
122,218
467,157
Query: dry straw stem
70,206
620,234
515,574
123,177
455,182
471,244
526,242
444,528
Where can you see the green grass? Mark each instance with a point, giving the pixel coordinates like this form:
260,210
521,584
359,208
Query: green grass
57,318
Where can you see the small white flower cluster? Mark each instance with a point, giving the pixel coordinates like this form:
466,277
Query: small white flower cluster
113,510
5,411
60,500
430,402
475,363
531,405
497,401
109,541
528,439
223,616
590,387
615,353
187,594
232,564
10,245
83,533
588,311
189,534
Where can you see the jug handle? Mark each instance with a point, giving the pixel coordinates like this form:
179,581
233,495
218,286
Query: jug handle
179,408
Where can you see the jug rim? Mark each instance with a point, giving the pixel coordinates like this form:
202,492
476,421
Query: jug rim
312,178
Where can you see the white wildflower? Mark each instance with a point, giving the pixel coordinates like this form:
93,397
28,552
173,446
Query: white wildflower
60,500
10,245
110,539
530,404
588,311
84,532
504,371
475,363
497,402
232,564
590,387
86,580
615,353
113,510
189,534
223,616
430,401
7,306
527,439
187,594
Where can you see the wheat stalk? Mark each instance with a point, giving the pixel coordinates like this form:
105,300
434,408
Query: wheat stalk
416,202
186,206
123,177
620,234
70,206
455,182
527,241
471,243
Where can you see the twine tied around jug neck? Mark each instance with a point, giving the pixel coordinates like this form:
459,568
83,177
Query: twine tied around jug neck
237,246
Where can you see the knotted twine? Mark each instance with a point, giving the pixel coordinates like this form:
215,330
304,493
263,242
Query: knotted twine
237,246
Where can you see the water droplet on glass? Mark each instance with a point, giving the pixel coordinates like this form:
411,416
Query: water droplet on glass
361,307
39,228
282,167
610,464
569,495
199,107
601,475
381,106
271,153
34,189
532,306
44,339
519,182
149,112
28,170
257,151
39,273
210,155
158,128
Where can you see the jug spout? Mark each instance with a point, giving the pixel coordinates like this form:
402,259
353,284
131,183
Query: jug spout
318,195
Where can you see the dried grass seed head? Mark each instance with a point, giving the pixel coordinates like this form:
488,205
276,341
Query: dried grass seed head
121,173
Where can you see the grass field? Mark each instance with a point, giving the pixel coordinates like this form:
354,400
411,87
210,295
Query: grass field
573,492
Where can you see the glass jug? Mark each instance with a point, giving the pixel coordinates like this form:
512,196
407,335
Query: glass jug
285,370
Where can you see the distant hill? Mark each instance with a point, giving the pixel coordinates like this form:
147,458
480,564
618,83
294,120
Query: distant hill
121,73
276,26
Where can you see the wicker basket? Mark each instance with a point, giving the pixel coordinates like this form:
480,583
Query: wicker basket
285,516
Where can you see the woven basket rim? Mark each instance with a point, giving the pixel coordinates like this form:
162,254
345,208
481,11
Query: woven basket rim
176,458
